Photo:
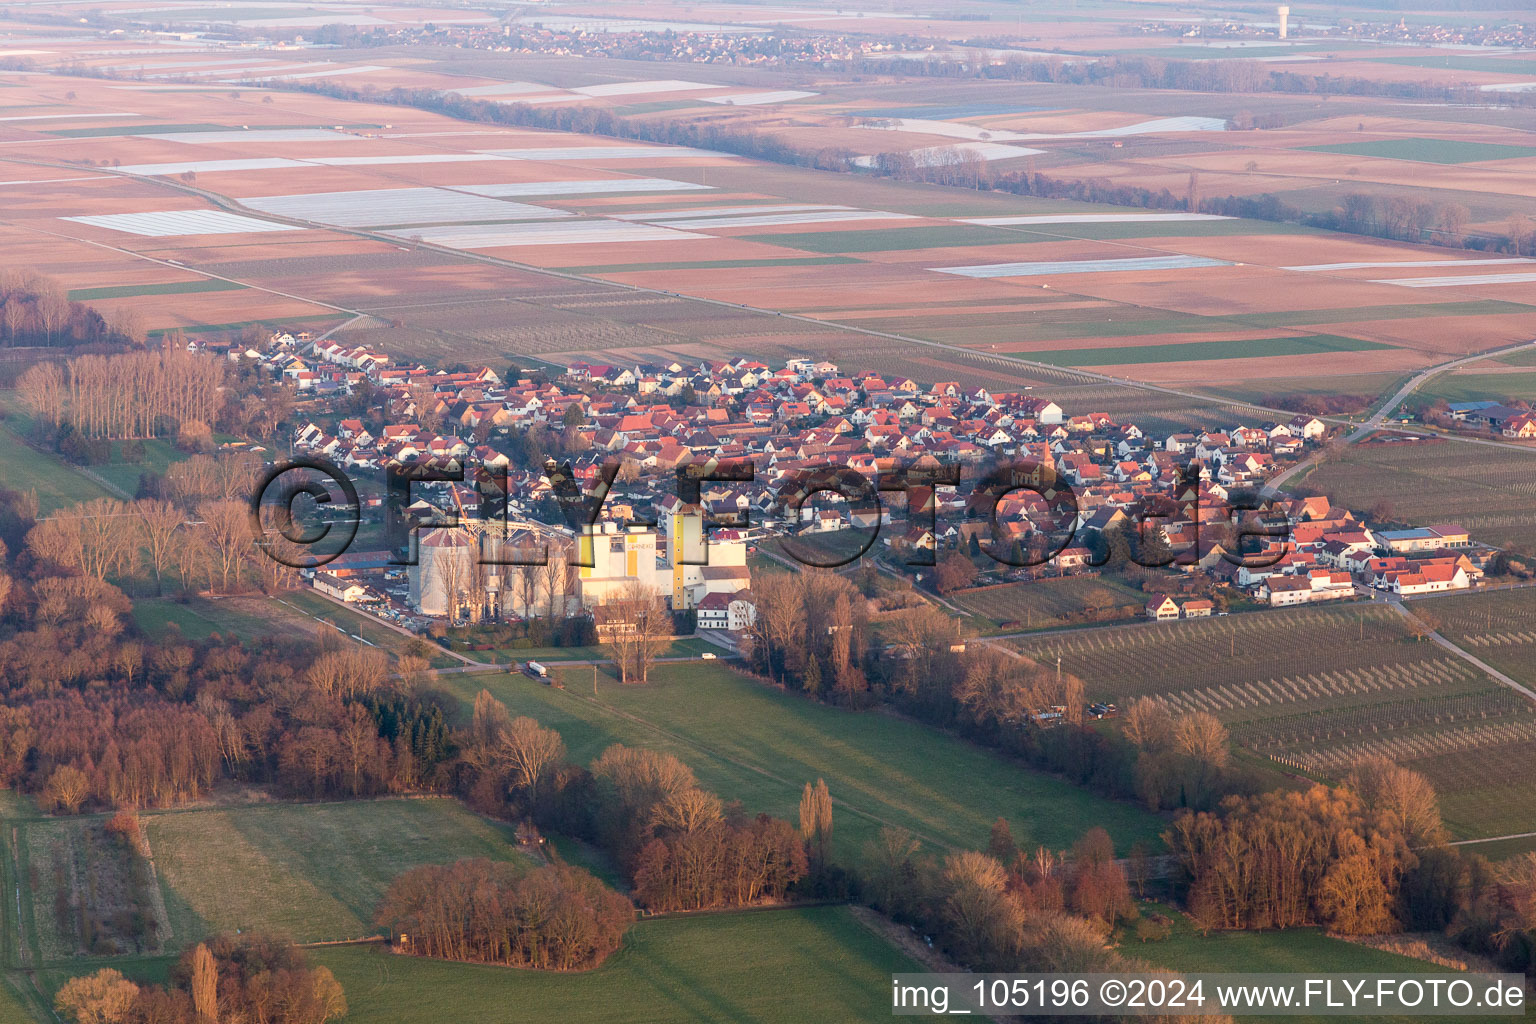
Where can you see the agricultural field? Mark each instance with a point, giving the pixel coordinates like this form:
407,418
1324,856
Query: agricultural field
297,613
748,742
312,871
1285,951
1045,604
1320,689
57,485
504,244
1488,490
90,895
671,970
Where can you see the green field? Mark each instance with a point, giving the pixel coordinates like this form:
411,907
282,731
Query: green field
790,966
1429,151
1040,604
128,291
1465,62
312,871
159,454
293,613
1295,950
1400,311
1198,351
1476,387
316,320
748,742
23,468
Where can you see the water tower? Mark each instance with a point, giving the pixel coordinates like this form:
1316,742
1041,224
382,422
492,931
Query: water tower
1285,17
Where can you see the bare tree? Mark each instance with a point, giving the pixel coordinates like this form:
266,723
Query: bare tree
529,750
226,524
158,523
637,628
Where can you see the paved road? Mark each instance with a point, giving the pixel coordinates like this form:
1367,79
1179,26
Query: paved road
1379,418
1463,654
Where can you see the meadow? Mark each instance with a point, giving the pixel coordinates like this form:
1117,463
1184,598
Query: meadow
749,742
770,966
58,485
1294,950
312,871
1044,604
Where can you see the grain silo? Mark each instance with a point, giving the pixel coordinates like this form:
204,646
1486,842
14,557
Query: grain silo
445,563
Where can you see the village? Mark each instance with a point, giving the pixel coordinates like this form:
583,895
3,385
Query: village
645,421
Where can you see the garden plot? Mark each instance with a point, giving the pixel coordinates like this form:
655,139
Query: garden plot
1084,266
369,208
181,222
584,232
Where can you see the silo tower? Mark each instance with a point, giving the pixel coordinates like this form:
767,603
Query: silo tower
1285,18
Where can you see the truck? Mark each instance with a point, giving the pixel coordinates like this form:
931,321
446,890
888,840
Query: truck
536,670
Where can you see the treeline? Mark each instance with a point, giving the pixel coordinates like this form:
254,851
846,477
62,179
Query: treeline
1366,857
231,977
812,634
131,395
681,846
1003,910
1394,217
36,310
556,918
97,716
190,529
1212,76
588,120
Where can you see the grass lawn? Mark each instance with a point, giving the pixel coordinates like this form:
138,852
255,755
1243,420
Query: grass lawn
312,871
159,454
12,1009
1429,151
24,468
1047,603
790,966
749,742
1298,950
